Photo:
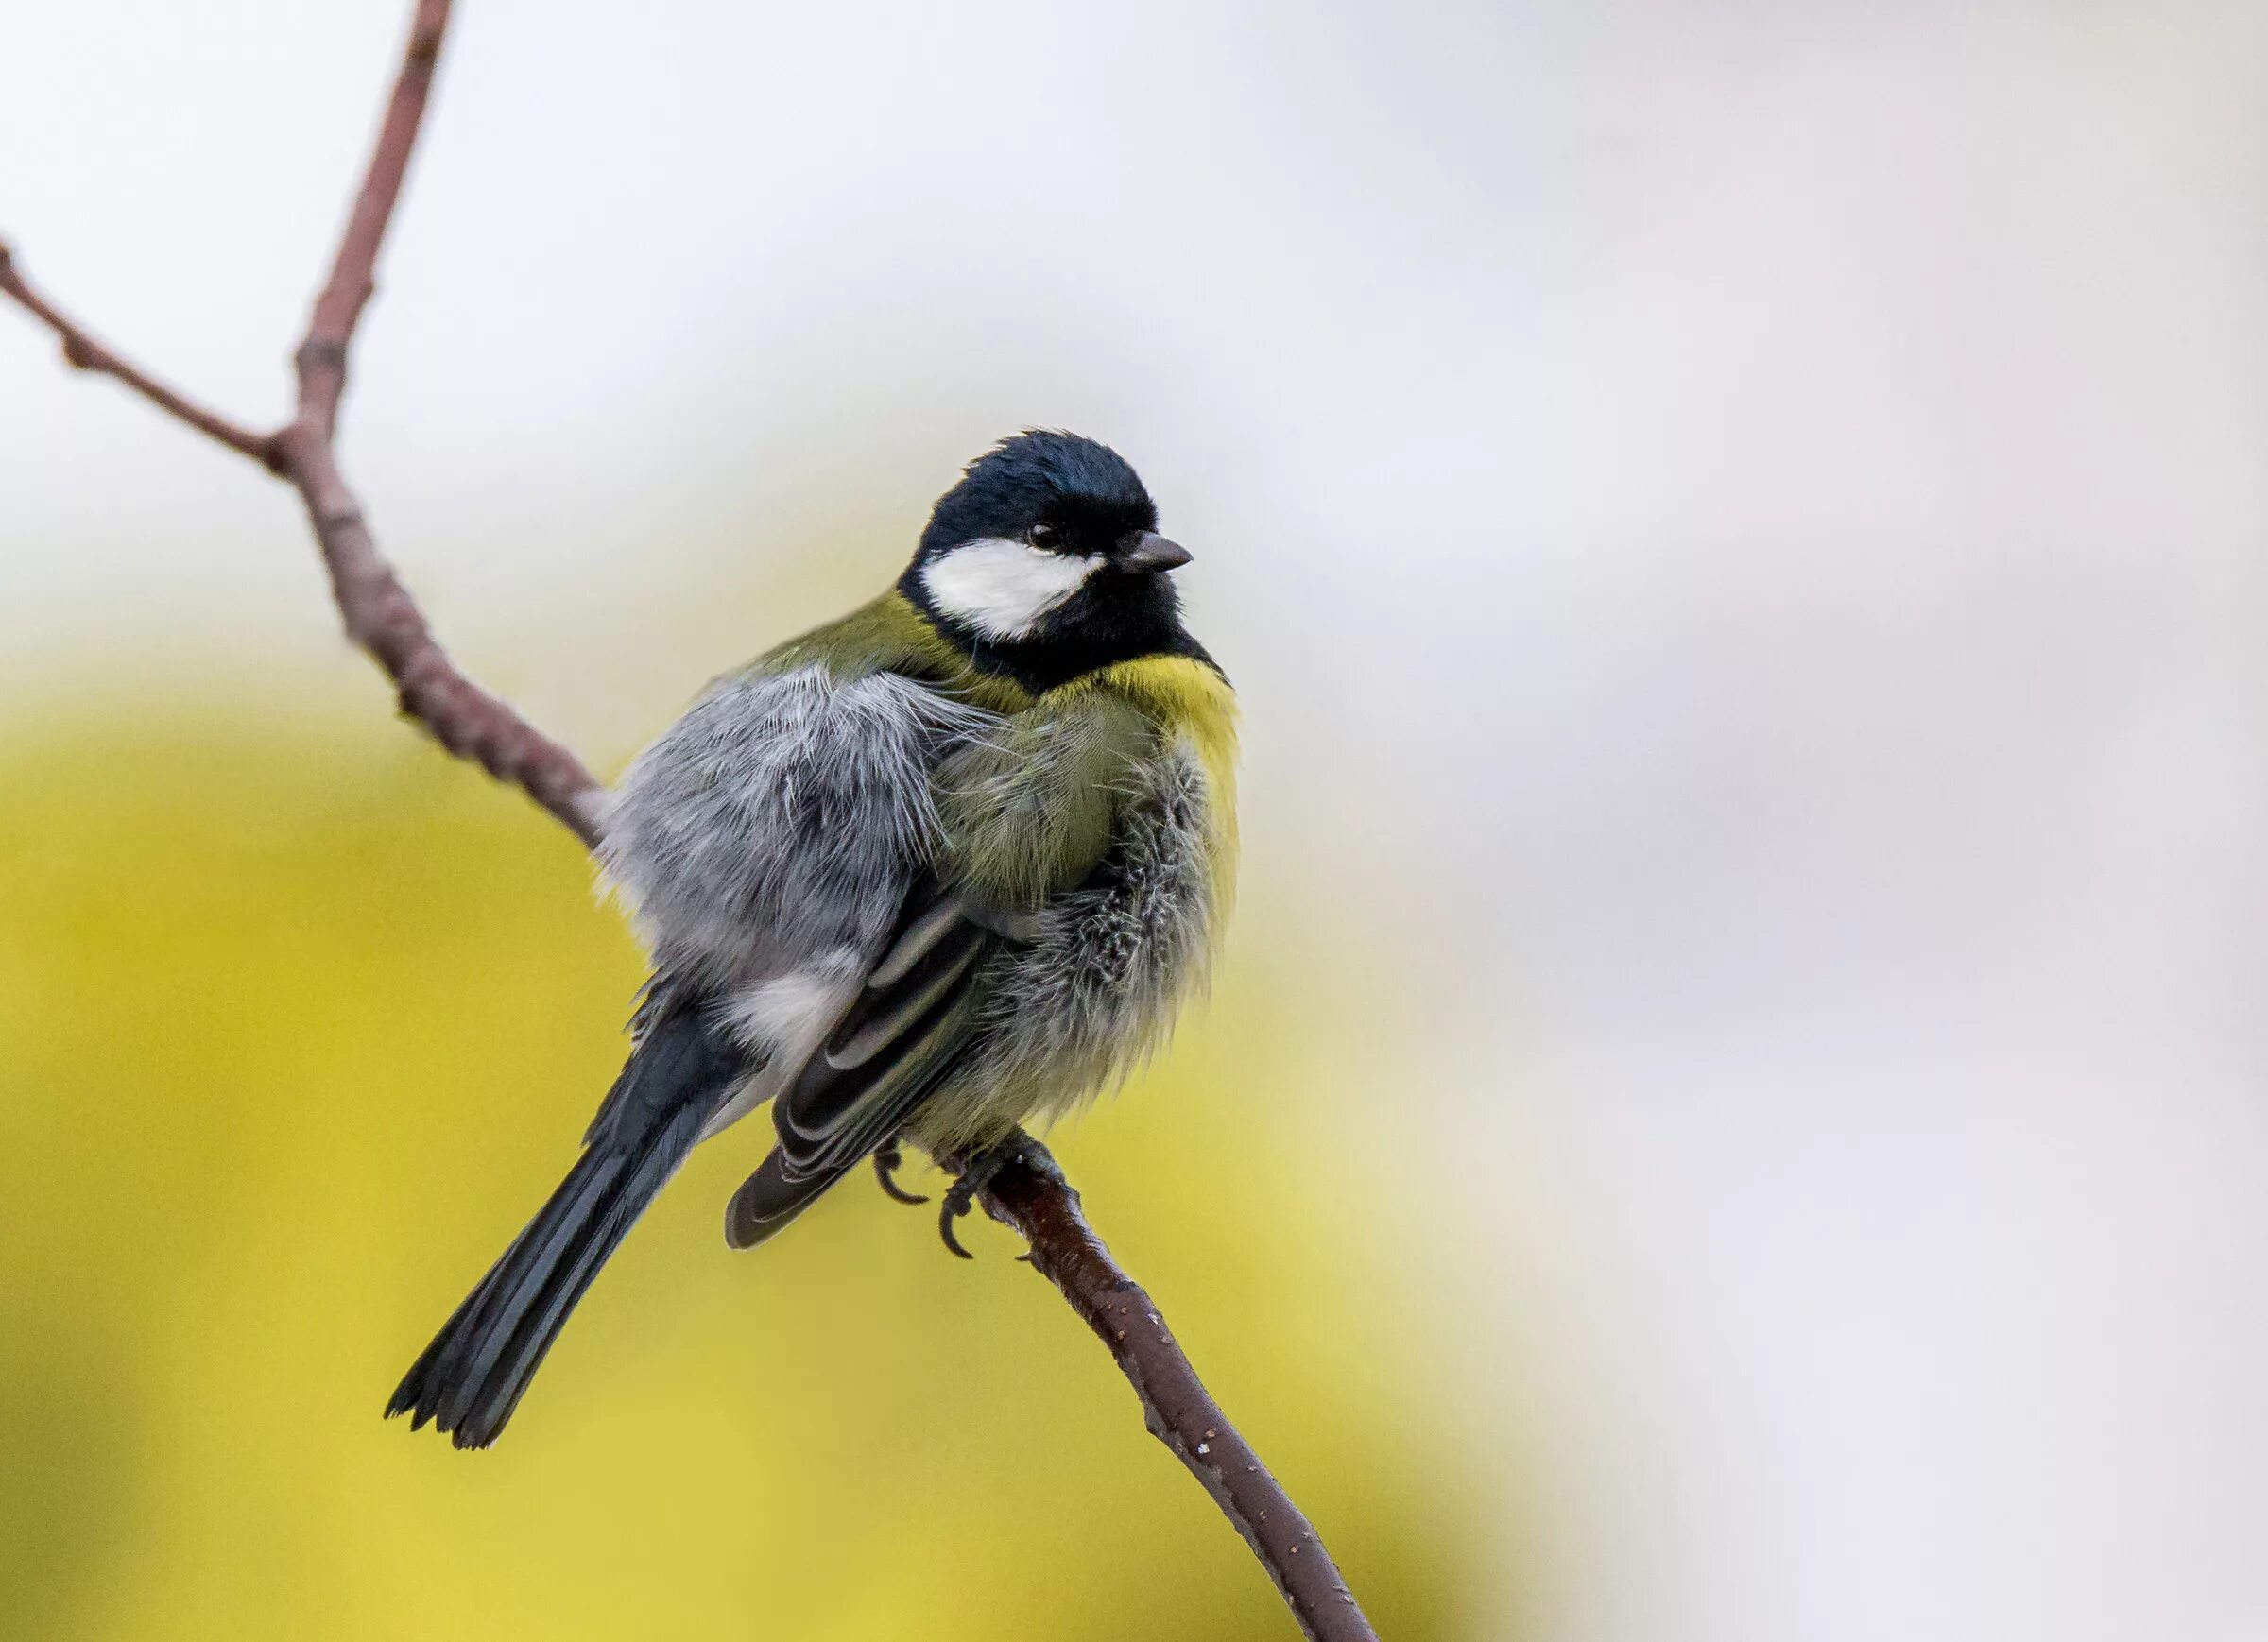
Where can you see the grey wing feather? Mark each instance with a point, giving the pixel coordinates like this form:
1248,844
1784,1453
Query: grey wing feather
911,1024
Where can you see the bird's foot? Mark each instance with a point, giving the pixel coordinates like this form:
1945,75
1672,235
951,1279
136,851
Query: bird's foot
976,1172
887,1161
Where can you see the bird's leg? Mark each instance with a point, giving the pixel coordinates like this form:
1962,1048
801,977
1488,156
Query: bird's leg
887,1161
976,1172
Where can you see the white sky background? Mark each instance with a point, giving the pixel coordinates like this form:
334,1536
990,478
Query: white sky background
1756,515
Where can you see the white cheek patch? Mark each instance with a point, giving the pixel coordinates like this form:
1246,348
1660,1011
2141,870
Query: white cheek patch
1002,587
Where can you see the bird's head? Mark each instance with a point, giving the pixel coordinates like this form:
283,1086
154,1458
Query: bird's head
1045,562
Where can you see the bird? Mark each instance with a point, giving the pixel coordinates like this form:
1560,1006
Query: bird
945,867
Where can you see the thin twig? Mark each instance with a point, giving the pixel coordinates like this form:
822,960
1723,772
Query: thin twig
82,352
1030,1194
321,358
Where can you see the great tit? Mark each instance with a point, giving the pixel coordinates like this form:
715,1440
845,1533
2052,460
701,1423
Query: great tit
939,869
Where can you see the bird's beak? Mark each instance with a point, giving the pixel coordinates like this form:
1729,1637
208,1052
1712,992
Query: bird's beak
1150,552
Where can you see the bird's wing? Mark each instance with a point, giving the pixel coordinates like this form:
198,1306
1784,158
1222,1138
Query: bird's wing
908,1028
905,1028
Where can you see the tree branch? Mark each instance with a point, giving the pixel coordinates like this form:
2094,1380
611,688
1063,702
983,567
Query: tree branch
321,359
82,352
1029,1194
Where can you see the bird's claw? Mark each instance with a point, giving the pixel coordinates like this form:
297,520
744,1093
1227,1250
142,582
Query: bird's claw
959,1198
887,1161
976,1174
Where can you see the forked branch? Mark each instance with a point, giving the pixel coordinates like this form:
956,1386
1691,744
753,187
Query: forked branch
380,615
1030,1194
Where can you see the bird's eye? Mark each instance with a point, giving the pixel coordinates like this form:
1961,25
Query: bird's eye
1043,536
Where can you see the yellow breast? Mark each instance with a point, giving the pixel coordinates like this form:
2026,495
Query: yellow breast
1194,703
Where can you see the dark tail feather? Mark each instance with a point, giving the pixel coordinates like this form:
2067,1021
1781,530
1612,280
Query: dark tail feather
472,1376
